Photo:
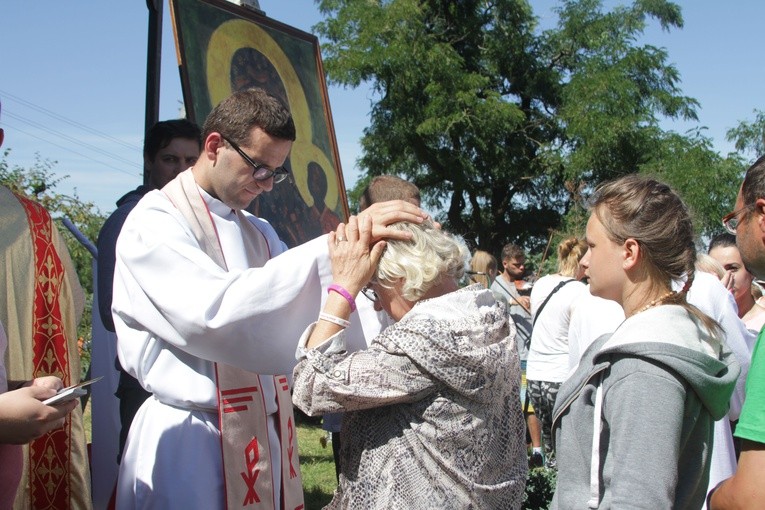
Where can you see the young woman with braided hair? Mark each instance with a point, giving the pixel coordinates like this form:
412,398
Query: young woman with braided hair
633,424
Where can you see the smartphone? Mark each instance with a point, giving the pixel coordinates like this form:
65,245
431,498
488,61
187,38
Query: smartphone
70,393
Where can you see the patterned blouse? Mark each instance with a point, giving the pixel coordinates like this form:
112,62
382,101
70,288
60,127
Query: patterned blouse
432,416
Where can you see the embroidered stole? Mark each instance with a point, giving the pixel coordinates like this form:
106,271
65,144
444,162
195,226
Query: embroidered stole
241,409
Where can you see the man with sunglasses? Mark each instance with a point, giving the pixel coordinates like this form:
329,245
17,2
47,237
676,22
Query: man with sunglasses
207,301
745,488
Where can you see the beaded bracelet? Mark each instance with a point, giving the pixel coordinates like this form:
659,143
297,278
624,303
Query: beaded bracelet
347,295
334,320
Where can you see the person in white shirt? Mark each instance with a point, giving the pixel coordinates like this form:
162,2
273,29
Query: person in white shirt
553,299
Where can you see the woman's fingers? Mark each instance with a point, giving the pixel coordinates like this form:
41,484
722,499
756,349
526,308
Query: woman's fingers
357,229
340,233
353,259
365,229
352,229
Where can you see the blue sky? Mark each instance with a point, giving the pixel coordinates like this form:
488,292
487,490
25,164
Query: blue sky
73,82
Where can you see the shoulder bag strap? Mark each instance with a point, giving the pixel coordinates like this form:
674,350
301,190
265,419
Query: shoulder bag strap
556,289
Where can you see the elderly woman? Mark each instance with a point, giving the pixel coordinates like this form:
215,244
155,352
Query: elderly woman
431,419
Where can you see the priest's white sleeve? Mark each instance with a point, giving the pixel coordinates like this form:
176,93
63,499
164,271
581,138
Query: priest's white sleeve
171,299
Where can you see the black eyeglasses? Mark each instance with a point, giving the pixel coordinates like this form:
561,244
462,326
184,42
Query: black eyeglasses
260,172
731,220
370,294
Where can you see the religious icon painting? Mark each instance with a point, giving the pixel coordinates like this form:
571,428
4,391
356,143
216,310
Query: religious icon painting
224,48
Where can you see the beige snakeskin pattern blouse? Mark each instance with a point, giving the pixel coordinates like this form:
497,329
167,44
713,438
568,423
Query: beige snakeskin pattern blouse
432,408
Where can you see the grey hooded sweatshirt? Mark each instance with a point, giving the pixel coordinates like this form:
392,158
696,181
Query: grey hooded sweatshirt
654,388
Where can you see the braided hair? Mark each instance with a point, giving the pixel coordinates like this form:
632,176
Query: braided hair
650,212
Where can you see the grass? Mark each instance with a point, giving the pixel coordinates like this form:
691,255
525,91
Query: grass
317,467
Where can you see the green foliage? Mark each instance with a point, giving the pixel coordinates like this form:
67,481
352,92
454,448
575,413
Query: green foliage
354,194
38,183
680,161
540,487
507,128
749,137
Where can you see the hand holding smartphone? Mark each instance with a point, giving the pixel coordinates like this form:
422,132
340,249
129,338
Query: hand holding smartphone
70,393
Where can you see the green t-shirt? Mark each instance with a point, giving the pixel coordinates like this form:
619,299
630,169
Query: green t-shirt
751,423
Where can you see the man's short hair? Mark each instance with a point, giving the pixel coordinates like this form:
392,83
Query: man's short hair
754,182
162,133
722,240
512,251
388,187
237,115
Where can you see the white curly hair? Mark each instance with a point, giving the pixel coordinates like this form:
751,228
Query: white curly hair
422,261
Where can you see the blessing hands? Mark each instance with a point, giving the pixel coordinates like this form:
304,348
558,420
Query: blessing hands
23,416
384,214
354,257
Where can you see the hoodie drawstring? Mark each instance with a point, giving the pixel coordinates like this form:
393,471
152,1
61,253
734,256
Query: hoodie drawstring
594,500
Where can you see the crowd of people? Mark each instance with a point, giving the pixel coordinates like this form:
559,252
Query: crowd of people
633,370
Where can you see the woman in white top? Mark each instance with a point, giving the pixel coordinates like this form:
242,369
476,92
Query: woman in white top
553,299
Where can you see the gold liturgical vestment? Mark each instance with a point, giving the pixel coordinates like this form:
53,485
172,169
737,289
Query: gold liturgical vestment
41,304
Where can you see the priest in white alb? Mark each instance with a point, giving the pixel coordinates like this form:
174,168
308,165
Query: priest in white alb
209,306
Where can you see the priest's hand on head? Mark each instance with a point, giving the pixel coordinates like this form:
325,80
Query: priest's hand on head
388,213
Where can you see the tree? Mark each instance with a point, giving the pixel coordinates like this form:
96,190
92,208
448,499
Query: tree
681,160
38,183
504,126
749,137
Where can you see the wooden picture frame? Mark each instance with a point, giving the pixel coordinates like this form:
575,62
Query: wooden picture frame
223,48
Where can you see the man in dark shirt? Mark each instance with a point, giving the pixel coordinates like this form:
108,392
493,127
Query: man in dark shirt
170,147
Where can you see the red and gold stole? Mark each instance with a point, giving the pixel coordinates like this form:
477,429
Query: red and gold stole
241,410
50,459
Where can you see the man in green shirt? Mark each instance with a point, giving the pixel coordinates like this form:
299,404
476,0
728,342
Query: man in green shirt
747,221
